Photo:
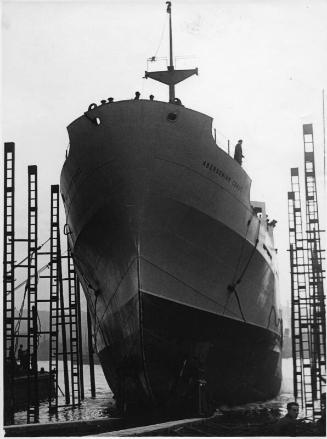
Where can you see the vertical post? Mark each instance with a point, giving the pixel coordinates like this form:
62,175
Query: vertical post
171,63
228,146
301,301
316,274
91,360
80,340
35,395
32,279
9,280
294,350
73,329
54,299
324,135
63,326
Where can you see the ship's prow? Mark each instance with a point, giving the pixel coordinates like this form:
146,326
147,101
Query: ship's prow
177,265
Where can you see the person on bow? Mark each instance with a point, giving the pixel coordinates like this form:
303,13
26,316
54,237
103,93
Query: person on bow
238,153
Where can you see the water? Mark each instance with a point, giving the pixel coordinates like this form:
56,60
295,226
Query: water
103,404
90,408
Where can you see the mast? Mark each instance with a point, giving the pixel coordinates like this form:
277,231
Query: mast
170,35
171,64
171,76
324,134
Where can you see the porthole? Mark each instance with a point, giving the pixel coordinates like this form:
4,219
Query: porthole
172,117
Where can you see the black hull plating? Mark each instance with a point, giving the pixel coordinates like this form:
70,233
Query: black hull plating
239,361
162,229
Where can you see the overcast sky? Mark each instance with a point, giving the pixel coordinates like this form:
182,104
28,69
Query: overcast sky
262,68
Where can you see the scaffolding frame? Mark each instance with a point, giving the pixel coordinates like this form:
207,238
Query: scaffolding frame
74,334
59,316
300,305
307,275
32,281
316,273
54,297
9,278
80,341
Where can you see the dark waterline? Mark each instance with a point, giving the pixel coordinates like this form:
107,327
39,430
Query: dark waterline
103,404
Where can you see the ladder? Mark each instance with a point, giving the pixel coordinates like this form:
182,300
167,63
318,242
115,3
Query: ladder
9,278
57,318
73,316
316,276
62,323
32,280
301,318
79,322
54,297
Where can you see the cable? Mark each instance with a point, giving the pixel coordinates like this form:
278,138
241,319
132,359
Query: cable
38,272
97,329
161,38
251,255
324,133
116,290
242,249
231,288
278,322
26,280
239,304
16,330
39,248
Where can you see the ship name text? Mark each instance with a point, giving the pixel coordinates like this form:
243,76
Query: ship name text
222,175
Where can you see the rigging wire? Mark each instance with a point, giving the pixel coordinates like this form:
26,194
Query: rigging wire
32,253
242,248
324,134
38,272
239,303
26,280
16,330
232,287
153,58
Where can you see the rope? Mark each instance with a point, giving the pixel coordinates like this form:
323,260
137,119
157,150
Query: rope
26,280
16,331
242,249
251,255
32,253
116,290
231,288
17,328
278,322
248,262
239,303
184,283
161,37
97,329
38,272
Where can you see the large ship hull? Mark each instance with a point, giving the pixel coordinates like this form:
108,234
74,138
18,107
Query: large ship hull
178,271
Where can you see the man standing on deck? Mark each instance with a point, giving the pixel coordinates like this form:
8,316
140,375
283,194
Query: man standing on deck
238,154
